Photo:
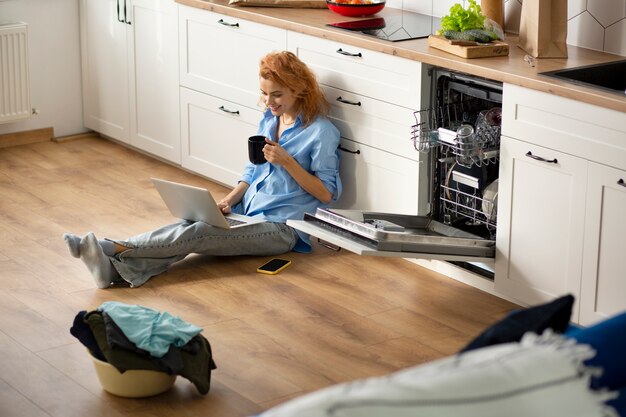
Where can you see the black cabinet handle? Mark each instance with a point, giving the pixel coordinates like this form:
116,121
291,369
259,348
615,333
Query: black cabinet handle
125,14
353,103
342,52
225,110
232,25
621,182
538,158
118,12
341,148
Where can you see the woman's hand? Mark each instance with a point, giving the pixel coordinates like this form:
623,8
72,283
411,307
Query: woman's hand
224,206
233,198
275,154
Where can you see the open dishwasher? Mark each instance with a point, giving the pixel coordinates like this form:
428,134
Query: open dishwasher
460,131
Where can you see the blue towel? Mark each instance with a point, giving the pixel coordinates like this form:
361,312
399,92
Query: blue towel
149,329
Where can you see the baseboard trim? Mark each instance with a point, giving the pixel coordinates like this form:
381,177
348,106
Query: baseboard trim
28,136
464,276
68,138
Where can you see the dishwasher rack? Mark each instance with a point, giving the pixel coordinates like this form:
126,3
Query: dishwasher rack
461,132
472,207
438,127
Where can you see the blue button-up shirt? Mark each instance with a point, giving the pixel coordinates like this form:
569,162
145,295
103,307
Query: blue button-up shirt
273,194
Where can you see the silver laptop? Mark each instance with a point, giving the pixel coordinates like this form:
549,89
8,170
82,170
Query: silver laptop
197,204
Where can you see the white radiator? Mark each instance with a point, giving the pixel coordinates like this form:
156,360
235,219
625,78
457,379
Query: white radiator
14,75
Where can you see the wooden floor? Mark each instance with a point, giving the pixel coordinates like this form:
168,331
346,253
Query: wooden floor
330,317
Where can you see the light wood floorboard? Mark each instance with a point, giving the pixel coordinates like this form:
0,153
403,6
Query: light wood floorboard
331,317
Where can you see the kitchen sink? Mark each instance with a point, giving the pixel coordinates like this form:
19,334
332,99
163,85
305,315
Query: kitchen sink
610,76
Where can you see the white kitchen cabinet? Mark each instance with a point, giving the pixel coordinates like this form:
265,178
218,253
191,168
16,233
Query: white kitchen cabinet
219,88
368,175
373,97
561,220
130,73
215,135
155,120
541,209
603,286
105,74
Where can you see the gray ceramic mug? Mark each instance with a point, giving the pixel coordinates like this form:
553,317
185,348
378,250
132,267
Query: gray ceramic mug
255,149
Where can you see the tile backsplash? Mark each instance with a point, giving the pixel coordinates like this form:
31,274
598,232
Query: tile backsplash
593,24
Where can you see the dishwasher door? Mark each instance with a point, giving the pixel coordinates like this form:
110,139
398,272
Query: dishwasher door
397,235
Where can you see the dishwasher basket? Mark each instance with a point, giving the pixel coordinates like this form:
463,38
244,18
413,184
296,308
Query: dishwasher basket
441,126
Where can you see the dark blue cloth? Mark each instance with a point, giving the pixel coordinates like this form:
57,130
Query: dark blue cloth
81,330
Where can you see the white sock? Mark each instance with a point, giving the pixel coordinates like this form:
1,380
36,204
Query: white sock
97,262
73,244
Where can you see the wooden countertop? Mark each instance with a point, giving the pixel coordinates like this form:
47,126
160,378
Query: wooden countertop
510,69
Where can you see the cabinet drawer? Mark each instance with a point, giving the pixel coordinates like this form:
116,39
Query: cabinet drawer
566,125
358,70
214,135
372,122
375,180
219,55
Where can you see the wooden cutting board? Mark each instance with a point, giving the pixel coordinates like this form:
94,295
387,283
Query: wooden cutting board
469,49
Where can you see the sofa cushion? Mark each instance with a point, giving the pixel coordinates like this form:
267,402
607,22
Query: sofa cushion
608,338
554,315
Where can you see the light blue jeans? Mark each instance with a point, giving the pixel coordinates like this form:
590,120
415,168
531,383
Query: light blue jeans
153,252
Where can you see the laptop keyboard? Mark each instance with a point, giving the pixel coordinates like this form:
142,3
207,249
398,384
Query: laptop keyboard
234,222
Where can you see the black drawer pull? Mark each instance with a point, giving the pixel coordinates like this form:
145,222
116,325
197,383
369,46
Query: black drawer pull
346,53
341,148
353,103
232,25
118,12
621,182
125,15
538,158
225,110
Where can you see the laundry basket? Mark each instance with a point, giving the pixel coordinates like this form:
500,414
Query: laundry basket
136,383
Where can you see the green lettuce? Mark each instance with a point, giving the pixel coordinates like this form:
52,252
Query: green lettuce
461,19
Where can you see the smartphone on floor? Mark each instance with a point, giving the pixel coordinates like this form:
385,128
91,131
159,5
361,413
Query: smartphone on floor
273,266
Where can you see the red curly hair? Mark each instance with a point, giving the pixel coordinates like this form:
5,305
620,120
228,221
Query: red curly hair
286,69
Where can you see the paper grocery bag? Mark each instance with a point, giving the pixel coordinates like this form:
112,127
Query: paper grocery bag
543,28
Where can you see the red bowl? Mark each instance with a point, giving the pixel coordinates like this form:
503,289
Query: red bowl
347,9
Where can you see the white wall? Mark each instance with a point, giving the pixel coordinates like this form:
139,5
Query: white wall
54,52
593,24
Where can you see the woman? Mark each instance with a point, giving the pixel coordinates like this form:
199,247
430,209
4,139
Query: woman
301,175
